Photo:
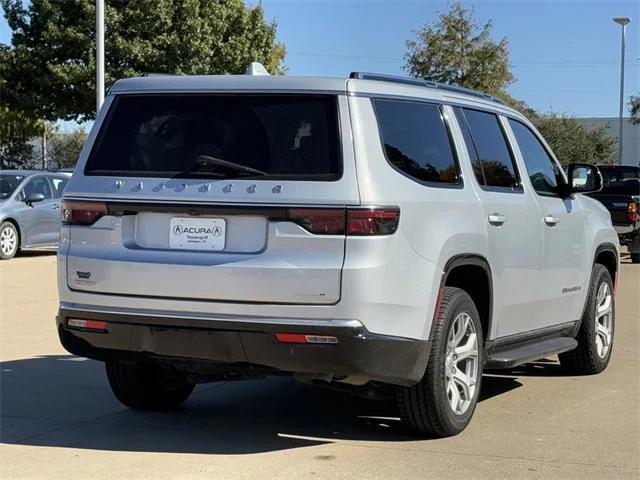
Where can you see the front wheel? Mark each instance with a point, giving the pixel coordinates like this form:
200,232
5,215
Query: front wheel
443,402
147,386
9,240
595,337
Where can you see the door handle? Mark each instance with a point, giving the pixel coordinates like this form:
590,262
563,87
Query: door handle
551,220
497,219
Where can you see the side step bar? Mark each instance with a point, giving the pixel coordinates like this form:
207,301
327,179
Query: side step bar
510,356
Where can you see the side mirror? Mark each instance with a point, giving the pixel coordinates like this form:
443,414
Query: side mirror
583,178
33,198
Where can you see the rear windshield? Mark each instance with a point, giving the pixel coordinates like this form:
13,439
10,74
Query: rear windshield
621,180
8,184
220,136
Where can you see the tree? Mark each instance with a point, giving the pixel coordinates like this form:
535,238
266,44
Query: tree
63,148
634,109
17,153
49,70
457,50
572,142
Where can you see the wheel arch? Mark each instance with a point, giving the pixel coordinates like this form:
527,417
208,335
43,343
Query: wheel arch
471,273
606,254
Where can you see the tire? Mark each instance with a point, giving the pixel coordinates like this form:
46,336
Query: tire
634,249
146,386
426,407
589,357
9,240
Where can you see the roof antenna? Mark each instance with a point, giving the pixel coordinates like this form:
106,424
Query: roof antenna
256,68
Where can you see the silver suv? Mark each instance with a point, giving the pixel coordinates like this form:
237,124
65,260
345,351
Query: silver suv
371,233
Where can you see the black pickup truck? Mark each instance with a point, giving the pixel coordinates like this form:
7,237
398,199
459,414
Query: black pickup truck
621,195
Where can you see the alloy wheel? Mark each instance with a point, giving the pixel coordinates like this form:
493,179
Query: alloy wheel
461,364
8,241
604,320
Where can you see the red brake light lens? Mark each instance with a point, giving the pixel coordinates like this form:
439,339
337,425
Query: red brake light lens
350,221
372,221
82,213
321,221
632,211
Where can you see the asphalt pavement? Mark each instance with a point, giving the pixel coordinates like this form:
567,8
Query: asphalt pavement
58,418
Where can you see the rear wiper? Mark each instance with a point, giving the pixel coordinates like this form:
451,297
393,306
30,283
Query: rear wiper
206,160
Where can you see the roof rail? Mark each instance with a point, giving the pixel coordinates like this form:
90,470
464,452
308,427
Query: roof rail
158,74
423,83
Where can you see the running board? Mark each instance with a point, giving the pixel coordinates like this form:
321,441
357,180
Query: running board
511,356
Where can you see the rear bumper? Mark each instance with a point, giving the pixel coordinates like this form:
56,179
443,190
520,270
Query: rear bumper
623,229
243,342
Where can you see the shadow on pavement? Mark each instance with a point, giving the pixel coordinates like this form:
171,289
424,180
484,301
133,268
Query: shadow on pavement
44,252
65,401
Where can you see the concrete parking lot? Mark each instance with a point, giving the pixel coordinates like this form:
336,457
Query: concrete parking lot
59,419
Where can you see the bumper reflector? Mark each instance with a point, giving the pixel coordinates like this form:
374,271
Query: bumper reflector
88,324
304,338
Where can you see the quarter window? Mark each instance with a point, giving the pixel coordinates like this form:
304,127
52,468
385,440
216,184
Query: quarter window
543,171
58,185
416,140
490,154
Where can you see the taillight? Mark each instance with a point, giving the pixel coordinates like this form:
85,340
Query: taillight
82,213
632,211
372,221
350,221
321,221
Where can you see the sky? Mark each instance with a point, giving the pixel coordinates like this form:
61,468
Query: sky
564,53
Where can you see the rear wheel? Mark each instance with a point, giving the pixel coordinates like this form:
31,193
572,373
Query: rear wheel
9,240
442,403
595,337
147,386
635,257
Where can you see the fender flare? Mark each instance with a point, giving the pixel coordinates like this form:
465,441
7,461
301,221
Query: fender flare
603,247
467,259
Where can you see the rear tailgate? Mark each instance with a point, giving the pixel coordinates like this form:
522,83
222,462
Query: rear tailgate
170,234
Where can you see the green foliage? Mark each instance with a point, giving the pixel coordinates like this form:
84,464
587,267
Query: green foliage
63,148
634,109
572,142
17,153
49,71
457,50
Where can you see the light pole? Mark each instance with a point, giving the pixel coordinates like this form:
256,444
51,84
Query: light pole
622,21
99,54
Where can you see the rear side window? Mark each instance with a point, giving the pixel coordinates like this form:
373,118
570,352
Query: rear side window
226,136
543,171
416,140
493,163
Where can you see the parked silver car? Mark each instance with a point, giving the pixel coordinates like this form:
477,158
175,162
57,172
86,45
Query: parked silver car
29,209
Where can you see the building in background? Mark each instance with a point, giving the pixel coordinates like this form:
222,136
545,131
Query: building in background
630,136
